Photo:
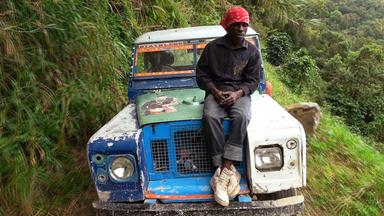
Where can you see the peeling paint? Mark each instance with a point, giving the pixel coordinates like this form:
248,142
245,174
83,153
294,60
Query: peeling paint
204,187
260,188
104,195
123,125
173,191
138,149
142,179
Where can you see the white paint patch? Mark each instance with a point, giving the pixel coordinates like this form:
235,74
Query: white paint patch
204,187
173,191
271,124
137,136
104,195
267,114
110,144
122,125
259,188
289,201
142,179
138,149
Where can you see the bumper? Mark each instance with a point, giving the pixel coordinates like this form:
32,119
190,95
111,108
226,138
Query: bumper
286,206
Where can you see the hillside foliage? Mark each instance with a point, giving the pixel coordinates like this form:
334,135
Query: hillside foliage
279,46
63,72
345,38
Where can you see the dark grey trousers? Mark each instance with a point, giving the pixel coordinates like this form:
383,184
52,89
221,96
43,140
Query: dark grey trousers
230,148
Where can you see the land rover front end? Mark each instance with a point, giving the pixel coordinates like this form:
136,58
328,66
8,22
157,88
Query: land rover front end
151,158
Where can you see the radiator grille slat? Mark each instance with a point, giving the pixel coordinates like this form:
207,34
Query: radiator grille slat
184,152
181,151
159,150
191,150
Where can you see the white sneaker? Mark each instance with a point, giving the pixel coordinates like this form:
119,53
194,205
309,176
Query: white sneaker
219,183
234,183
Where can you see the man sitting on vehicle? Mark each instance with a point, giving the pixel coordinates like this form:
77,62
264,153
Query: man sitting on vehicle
229,71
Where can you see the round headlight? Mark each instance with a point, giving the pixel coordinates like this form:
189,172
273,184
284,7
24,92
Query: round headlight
121,168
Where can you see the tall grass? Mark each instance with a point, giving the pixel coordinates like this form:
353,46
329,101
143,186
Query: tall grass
346,175
63,73
62,76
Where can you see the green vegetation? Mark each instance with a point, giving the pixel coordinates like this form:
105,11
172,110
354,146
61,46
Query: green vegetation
345,38
61,78
345,175
278,47
301,74
344,172
63,71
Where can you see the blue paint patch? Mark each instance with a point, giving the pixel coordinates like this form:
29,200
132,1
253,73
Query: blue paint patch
163,152
167,179
244,198
192,187
262,85
132,190
122,145
187,200
122,195
140,86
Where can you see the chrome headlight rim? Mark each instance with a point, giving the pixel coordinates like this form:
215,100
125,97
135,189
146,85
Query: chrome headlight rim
124,160
269,168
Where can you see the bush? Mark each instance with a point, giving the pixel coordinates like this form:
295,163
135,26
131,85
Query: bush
357,92
301,74
278,47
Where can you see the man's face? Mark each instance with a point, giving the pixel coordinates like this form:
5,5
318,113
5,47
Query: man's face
237,30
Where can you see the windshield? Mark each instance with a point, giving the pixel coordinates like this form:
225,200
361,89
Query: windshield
169,58
166,58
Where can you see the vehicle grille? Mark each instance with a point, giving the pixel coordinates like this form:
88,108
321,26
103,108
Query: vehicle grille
185,153
191,150
159,150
